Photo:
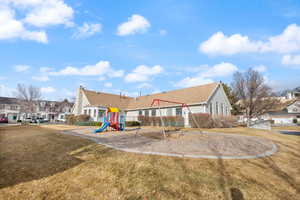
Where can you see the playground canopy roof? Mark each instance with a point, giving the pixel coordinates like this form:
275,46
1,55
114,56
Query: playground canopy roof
192,95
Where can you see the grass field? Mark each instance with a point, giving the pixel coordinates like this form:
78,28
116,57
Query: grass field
40,163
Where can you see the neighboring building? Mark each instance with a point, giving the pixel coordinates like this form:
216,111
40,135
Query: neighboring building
209,98
288,114
9,107
292,95
48,110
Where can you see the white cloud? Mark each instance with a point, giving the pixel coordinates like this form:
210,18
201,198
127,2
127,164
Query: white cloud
135,24
163,32
41,78
260,68
22,68
291,60
48,89
193,81
219,44
116,73
3,78
10,28
49,12
142,73
219,70
87,30
108,85
32,13
99,68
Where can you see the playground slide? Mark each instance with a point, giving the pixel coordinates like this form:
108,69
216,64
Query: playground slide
103,127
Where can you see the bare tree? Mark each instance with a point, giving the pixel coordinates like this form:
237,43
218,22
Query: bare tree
28,97
255,96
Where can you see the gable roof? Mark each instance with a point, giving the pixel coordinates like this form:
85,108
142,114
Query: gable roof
8,100
192,95
106,99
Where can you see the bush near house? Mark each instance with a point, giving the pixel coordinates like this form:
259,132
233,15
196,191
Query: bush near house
72,119
204,120
171,121
133,123
295,121
88,123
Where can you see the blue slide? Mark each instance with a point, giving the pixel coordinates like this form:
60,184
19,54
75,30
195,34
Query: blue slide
103,127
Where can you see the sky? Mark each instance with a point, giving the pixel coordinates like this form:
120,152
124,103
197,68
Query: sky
134,46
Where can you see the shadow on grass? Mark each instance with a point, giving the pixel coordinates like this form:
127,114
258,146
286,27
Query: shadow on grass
269,164
33,154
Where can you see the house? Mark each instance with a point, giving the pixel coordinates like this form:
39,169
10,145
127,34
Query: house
288,114
48,110
208,98
10,108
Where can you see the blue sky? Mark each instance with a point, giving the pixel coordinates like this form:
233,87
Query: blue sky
148,46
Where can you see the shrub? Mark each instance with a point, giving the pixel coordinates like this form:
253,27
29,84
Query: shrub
133,123
70,119
204,120
174,121
88,123
82,118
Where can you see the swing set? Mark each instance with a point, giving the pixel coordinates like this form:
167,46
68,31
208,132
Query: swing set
157,103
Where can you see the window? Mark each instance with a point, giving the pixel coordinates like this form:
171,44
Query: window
153,112
178,111
95,112
222,107
85,112
14,107
100,113
169,112
217,108
140,112
2,106
89,112
211,108
146,113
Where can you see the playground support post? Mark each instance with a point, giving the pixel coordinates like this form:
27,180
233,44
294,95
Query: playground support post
162,121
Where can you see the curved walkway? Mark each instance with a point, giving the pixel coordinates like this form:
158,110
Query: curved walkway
192,145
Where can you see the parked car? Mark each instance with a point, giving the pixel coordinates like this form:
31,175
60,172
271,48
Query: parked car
28,119
3,120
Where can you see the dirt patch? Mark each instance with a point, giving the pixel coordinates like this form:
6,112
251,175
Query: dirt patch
191,144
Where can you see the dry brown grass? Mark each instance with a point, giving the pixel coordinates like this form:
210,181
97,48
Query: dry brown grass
292,128
38,163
